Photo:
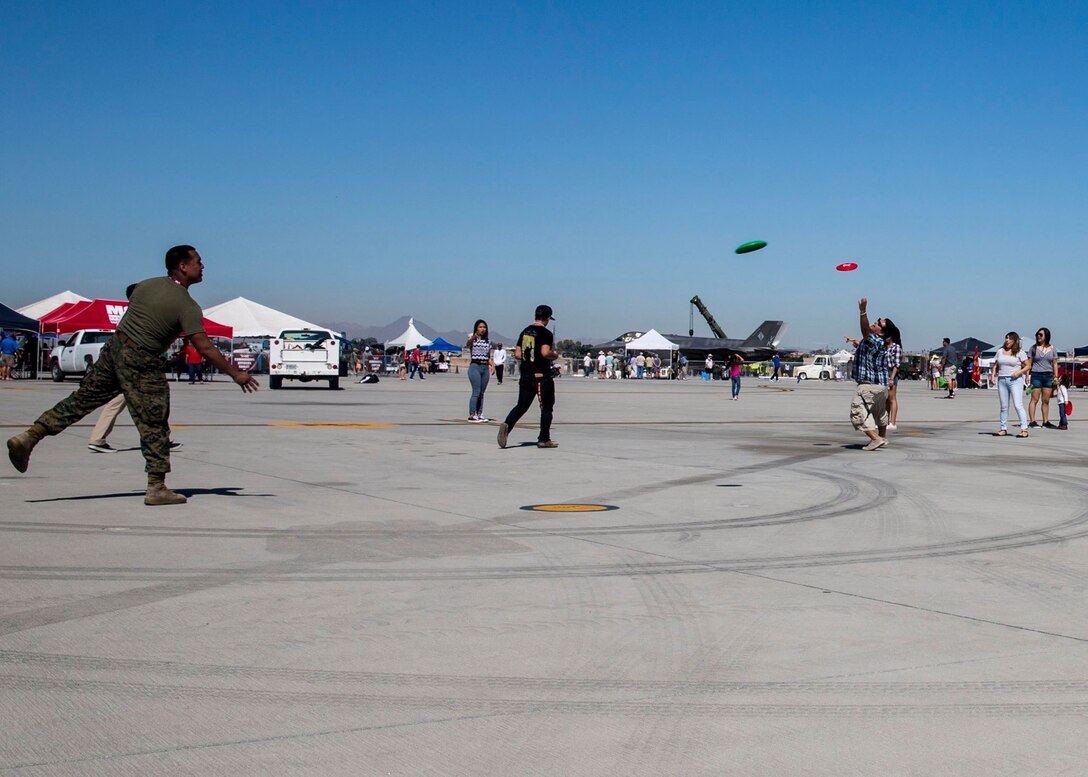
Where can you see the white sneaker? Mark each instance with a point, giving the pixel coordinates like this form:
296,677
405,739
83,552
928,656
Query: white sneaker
879,442
891,427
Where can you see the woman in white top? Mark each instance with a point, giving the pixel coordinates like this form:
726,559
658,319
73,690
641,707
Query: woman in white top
1008,370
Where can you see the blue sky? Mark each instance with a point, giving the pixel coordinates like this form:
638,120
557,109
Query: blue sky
363,161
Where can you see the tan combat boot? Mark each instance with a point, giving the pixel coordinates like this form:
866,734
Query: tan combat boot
19,448
159,494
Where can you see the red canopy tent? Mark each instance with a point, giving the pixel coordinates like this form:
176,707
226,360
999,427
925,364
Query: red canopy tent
60,312
105,314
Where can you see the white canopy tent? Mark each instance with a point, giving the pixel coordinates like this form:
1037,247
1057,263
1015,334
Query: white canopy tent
251,319
651,341
842,356
409,339
49,304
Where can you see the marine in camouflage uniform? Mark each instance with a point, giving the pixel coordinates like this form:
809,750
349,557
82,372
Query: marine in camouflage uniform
139,375
130,363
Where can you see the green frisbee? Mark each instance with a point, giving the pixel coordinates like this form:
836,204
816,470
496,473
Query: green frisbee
754,245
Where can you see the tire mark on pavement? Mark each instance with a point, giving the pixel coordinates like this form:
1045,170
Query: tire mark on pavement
485,705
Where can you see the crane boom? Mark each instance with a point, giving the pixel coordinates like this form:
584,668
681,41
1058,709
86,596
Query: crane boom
698,303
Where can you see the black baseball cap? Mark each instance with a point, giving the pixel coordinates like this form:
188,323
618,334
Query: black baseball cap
544,311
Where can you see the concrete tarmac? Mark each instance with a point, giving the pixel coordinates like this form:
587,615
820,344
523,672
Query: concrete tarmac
358,586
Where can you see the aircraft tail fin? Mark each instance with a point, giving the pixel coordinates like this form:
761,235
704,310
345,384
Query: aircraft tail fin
767,335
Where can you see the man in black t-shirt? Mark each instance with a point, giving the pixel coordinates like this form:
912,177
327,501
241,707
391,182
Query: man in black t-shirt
534,353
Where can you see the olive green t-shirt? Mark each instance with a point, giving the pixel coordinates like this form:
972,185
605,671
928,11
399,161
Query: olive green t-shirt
159,312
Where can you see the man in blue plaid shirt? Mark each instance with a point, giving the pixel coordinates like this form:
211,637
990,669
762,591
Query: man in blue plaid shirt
869,407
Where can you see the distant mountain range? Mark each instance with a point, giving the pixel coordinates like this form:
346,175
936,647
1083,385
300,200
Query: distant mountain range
382,333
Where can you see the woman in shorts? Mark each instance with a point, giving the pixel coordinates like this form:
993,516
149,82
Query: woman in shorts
1044,376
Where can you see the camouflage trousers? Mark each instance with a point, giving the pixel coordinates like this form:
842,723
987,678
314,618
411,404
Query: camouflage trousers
122,369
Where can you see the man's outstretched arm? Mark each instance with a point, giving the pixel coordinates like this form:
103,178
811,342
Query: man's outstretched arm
246,381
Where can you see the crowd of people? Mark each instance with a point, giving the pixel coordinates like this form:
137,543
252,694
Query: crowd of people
130,372
638,366
18,353
1013,370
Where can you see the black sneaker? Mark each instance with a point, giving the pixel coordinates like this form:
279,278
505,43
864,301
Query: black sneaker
1049,425
175,445
101,447
1033,425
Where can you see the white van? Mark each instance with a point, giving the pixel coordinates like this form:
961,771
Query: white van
985,363
305,355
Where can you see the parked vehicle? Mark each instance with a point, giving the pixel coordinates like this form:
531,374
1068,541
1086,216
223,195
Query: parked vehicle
305,355
75,353
820,366
1077,371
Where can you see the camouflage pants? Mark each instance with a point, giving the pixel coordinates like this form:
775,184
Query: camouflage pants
138,375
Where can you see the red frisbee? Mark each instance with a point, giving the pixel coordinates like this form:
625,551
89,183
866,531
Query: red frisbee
847,266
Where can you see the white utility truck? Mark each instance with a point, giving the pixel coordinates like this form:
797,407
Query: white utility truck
74,353
304,354
821,366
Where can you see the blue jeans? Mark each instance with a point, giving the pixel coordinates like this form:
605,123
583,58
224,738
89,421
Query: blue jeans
1007,387
735,385
478,376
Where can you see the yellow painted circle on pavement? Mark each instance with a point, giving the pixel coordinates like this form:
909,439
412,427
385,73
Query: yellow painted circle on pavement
569,508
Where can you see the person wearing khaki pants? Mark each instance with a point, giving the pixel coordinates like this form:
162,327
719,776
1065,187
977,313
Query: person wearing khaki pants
106,419
131,363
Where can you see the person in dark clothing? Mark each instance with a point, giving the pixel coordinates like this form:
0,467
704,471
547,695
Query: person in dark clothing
965,372
534,353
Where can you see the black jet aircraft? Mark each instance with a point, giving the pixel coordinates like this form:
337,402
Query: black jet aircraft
756,347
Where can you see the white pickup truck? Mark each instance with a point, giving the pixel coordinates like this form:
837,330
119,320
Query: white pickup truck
304,354
75,353
822,367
